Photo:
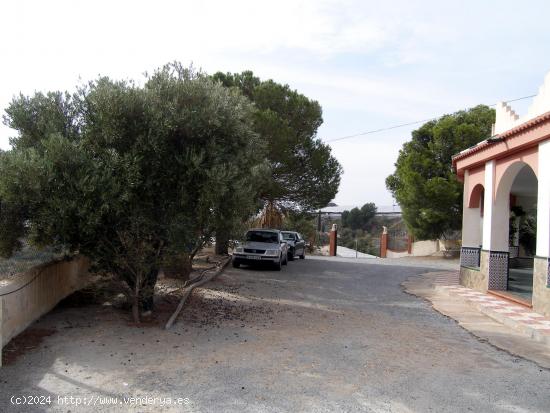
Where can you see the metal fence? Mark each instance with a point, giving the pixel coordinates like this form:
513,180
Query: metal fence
24,259
398,240
375,241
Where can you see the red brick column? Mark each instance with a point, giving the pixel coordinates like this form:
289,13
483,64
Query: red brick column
410,241
384,243
333,241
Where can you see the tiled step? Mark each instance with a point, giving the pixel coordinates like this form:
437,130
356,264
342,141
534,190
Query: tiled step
513,315
447,278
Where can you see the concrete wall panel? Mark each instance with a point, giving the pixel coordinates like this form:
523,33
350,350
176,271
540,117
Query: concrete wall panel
36,292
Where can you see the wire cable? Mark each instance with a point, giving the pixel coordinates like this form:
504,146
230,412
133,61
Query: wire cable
402,125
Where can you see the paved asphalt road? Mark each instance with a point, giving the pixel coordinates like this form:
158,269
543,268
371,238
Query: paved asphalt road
319,336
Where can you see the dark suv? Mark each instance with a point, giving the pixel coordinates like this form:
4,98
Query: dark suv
296,245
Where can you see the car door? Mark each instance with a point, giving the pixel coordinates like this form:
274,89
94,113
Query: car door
300,245
284,245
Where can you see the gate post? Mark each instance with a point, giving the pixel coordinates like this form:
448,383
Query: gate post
333,240
384,243
410,241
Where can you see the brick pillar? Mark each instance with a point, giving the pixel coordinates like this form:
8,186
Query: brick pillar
410,241
333,240
384,243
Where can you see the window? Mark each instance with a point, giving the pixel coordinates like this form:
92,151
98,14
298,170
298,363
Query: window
263,236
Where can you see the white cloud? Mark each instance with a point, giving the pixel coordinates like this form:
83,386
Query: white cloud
359,186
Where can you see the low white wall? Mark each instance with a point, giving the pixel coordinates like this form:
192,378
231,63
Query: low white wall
37,291
420,249
394,254
425,248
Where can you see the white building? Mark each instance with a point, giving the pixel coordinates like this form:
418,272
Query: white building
509,172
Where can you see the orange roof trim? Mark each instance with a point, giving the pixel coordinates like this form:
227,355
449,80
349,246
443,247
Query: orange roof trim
509,133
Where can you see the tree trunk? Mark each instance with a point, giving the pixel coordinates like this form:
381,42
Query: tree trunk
135,303
148,292
178,266
188,265
271,216
222,243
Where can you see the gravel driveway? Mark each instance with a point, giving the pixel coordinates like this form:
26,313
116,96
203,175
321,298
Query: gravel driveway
322,336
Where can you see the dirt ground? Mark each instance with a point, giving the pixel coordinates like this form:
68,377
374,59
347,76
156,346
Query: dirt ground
320,336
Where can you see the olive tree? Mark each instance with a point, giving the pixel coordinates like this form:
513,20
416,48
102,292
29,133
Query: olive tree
126,174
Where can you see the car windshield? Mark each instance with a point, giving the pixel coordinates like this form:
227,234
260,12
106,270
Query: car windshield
289,236
263,236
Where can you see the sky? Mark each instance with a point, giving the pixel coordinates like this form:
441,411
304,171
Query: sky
370,64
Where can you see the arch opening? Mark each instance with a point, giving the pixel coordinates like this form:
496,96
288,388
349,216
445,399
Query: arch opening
515,225
476,197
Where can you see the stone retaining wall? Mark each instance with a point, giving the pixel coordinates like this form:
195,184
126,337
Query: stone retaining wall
37,291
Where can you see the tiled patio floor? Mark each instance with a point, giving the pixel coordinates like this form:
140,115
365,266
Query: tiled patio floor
506,312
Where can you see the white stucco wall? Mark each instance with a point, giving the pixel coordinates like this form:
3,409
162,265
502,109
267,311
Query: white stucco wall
36,292
507,118
471,219
543,204
425,248
393,254
419,249
488,204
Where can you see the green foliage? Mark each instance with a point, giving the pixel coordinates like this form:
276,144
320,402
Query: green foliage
128,175
359,240
516,213
528,234
11,226
301,222
525,225
359,218
302,174
366,239
43,115
423,183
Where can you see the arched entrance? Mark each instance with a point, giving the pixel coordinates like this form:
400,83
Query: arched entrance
472,227
476,202
516,202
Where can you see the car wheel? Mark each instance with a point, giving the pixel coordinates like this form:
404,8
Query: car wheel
285,262
290,256
303,256
279,264
236,264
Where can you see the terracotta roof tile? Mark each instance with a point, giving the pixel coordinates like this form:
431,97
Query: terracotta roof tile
511,132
